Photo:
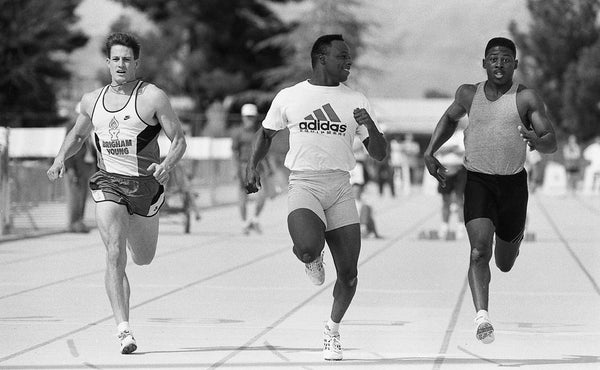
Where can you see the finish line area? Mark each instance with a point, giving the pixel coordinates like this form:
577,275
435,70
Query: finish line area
216,298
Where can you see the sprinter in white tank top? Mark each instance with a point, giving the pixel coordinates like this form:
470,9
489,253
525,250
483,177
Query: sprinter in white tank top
504,119
118,228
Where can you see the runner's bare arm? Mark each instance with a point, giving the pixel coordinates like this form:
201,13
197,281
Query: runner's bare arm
170,123
262,144
74,139
376,144
445,128
541,137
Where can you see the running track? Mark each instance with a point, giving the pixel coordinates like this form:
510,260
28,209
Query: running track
219,299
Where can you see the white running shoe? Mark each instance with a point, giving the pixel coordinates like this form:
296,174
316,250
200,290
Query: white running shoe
128,344
485,331
332,347
315,270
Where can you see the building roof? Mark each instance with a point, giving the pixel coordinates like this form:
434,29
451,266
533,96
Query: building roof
417,116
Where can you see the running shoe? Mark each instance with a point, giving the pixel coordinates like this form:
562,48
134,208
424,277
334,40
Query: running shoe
485,331
128,344
332,347
315,270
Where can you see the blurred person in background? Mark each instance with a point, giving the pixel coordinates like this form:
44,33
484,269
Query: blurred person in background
399,163
359,176
572,158
411,149
126,117
384,174
451,156
505,118
78,170
323,116
591,177
242,139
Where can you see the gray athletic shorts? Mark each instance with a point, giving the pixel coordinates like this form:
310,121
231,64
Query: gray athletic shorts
327,193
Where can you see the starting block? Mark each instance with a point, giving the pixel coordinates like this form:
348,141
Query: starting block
435,235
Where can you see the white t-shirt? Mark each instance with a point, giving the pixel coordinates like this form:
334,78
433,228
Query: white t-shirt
321,123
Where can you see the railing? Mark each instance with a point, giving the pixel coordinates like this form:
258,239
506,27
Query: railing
30,203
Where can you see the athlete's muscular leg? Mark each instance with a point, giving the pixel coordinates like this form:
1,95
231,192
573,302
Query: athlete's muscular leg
308,234
142,238
113,223
506,254
481,236
344,244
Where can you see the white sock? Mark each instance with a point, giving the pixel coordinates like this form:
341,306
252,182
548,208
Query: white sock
332,327
124,326
482,315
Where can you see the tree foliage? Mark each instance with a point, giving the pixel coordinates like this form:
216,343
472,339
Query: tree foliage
551,55
36,36
319,17
581,95
210,46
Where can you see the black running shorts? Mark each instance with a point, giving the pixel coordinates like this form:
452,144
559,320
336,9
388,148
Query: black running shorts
455,182
142,195
500,198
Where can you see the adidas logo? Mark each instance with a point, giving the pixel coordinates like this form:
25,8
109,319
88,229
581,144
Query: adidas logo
323,120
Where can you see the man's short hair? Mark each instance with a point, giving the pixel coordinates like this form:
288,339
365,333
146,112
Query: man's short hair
501,41
125,39
321,46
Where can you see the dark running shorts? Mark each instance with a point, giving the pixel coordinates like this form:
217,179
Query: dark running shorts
500,198
141,195
455,182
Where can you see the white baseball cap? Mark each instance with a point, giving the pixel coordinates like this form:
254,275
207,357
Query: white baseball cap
249,110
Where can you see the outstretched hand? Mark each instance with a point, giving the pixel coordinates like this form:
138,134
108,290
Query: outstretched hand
436,169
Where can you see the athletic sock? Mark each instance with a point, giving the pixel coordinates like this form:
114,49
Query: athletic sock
124,326
332,327
482,315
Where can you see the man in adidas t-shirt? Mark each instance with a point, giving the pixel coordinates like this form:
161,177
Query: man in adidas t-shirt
323,116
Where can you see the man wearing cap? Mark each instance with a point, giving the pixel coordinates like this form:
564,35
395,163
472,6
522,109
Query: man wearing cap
242,139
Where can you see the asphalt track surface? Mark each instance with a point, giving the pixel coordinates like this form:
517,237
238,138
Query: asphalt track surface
216,298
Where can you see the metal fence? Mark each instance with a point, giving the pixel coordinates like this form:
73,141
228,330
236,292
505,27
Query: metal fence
30,203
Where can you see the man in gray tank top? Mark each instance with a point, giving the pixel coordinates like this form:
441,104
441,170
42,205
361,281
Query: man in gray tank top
505,118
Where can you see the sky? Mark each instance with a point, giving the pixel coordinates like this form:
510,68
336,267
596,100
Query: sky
417,44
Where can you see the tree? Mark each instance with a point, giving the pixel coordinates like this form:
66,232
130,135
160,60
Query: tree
318,18
214,43
581,95
36,36
560,31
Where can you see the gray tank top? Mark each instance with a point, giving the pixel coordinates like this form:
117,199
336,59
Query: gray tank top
493,144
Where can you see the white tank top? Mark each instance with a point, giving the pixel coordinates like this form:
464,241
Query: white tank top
126,145
493,143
